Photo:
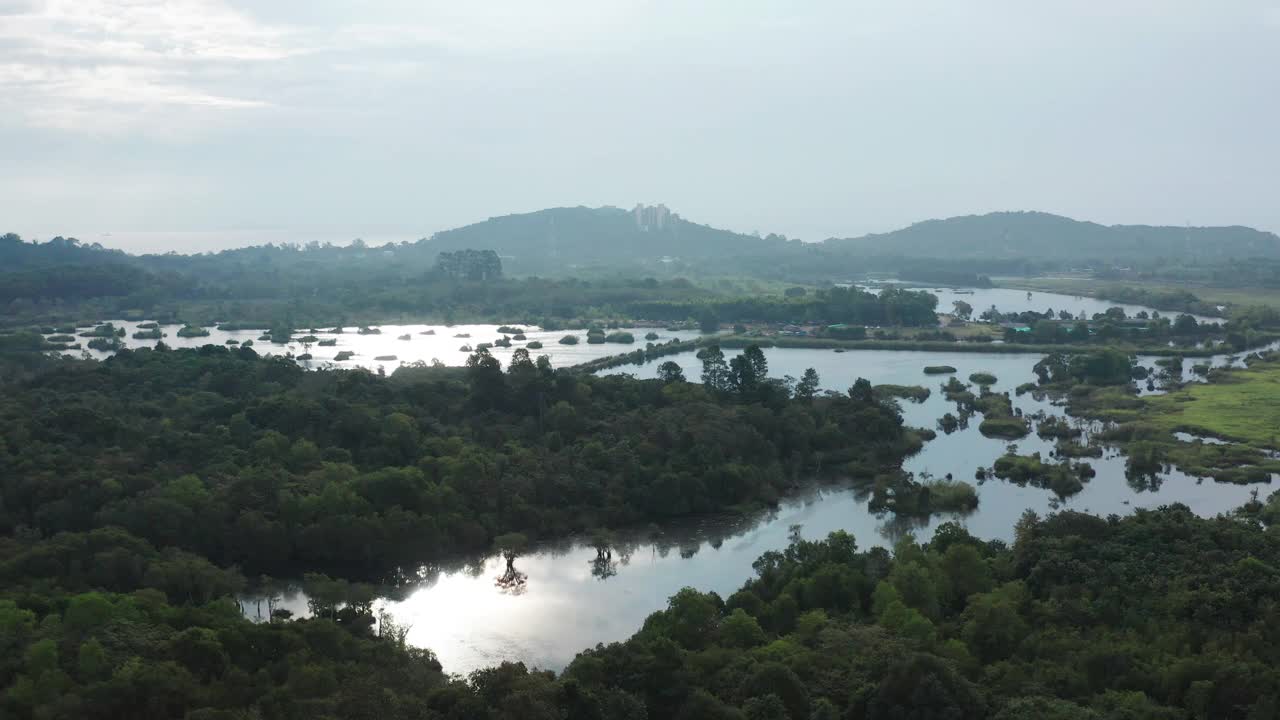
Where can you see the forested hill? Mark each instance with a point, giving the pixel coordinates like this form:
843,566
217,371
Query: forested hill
557,238
552,242
18,255
595,243
1043,236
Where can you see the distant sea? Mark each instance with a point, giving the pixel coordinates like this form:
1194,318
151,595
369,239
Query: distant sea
201,241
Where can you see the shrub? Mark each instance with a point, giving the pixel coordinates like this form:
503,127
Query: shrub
951,495
914,393
105,344
1007,427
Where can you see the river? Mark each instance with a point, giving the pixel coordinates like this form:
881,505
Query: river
459,613
1007,300
443,344
570,602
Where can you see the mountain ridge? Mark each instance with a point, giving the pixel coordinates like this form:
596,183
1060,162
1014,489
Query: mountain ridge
1044,235
572,237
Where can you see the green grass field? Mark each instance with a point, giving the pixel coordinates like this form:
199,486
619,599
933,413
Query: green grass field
1242,405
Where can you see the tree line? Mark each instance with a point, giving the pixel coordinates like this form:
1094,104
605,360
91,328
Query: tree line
1162,615
849,305
253,462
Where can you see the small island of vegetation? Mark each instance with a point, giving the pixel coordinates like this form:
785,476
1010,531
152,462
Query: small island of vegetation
192,331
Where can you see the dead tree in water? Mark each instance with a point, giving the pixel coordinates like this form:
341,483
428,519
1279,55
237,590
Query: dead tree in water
603,541
511,546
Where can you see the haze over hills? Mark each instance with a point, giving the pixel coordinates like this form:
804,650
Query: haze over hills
563,238
568,241
1039,235
556,239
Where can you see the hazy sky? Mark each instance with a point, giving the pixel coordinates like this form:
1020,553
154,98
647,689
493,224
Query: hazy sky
396,118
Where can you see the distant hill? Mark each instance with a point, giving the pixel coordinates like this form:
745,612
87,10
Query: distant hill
1043,236
567,237
562,240
652,241
18,255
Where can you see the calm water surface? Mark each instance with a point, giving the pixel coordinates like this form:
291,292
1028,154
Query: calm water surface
568,604
443,345
1009,300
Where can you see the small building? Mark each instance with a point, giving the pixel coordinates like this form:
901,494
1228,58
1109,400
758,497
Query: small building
846,331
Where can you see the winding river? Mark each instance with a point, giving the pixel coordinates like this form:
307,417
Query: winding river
1009,300
571,602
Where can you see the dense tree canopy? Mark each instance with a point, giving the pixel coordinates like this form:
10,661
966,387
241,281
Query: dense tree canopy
1158,615
251,461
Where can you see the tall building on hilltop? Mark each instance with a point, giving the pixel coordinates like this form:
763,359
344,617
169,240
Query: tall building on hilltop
653,217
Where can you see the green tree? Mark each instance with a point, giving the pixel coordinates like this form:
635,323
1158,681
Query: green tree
200,652
765,707
773,678
992,627
603,541
824,709
1185,325
925,687
511,546
42,657
702,705
670,372
966,572
92,662
1043,708
917,587
715,371
691,618
488,384
740,630
709,319
748,371
808,385
87,612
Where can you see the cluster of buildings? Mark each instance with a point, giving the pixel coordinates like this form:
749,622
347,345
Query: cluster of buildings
651,218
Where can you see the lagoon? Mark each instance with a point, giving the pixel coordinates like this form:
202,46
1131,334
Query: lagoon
570,602
443,344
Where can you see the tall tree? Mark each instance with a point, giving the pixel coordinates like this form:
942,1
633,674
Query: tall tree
670,372
808,385
715,371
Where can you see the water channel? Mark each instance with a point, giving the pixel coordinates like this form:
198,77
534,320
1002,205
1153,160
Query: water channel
567,604
570,602
405,343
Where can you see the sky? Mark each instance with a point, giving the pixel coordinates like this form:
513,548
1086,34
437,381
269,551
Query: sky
197,124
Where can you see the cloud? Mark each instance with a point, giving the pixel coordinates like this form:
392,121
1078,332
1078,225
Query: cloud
16,7
104,65
120,65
